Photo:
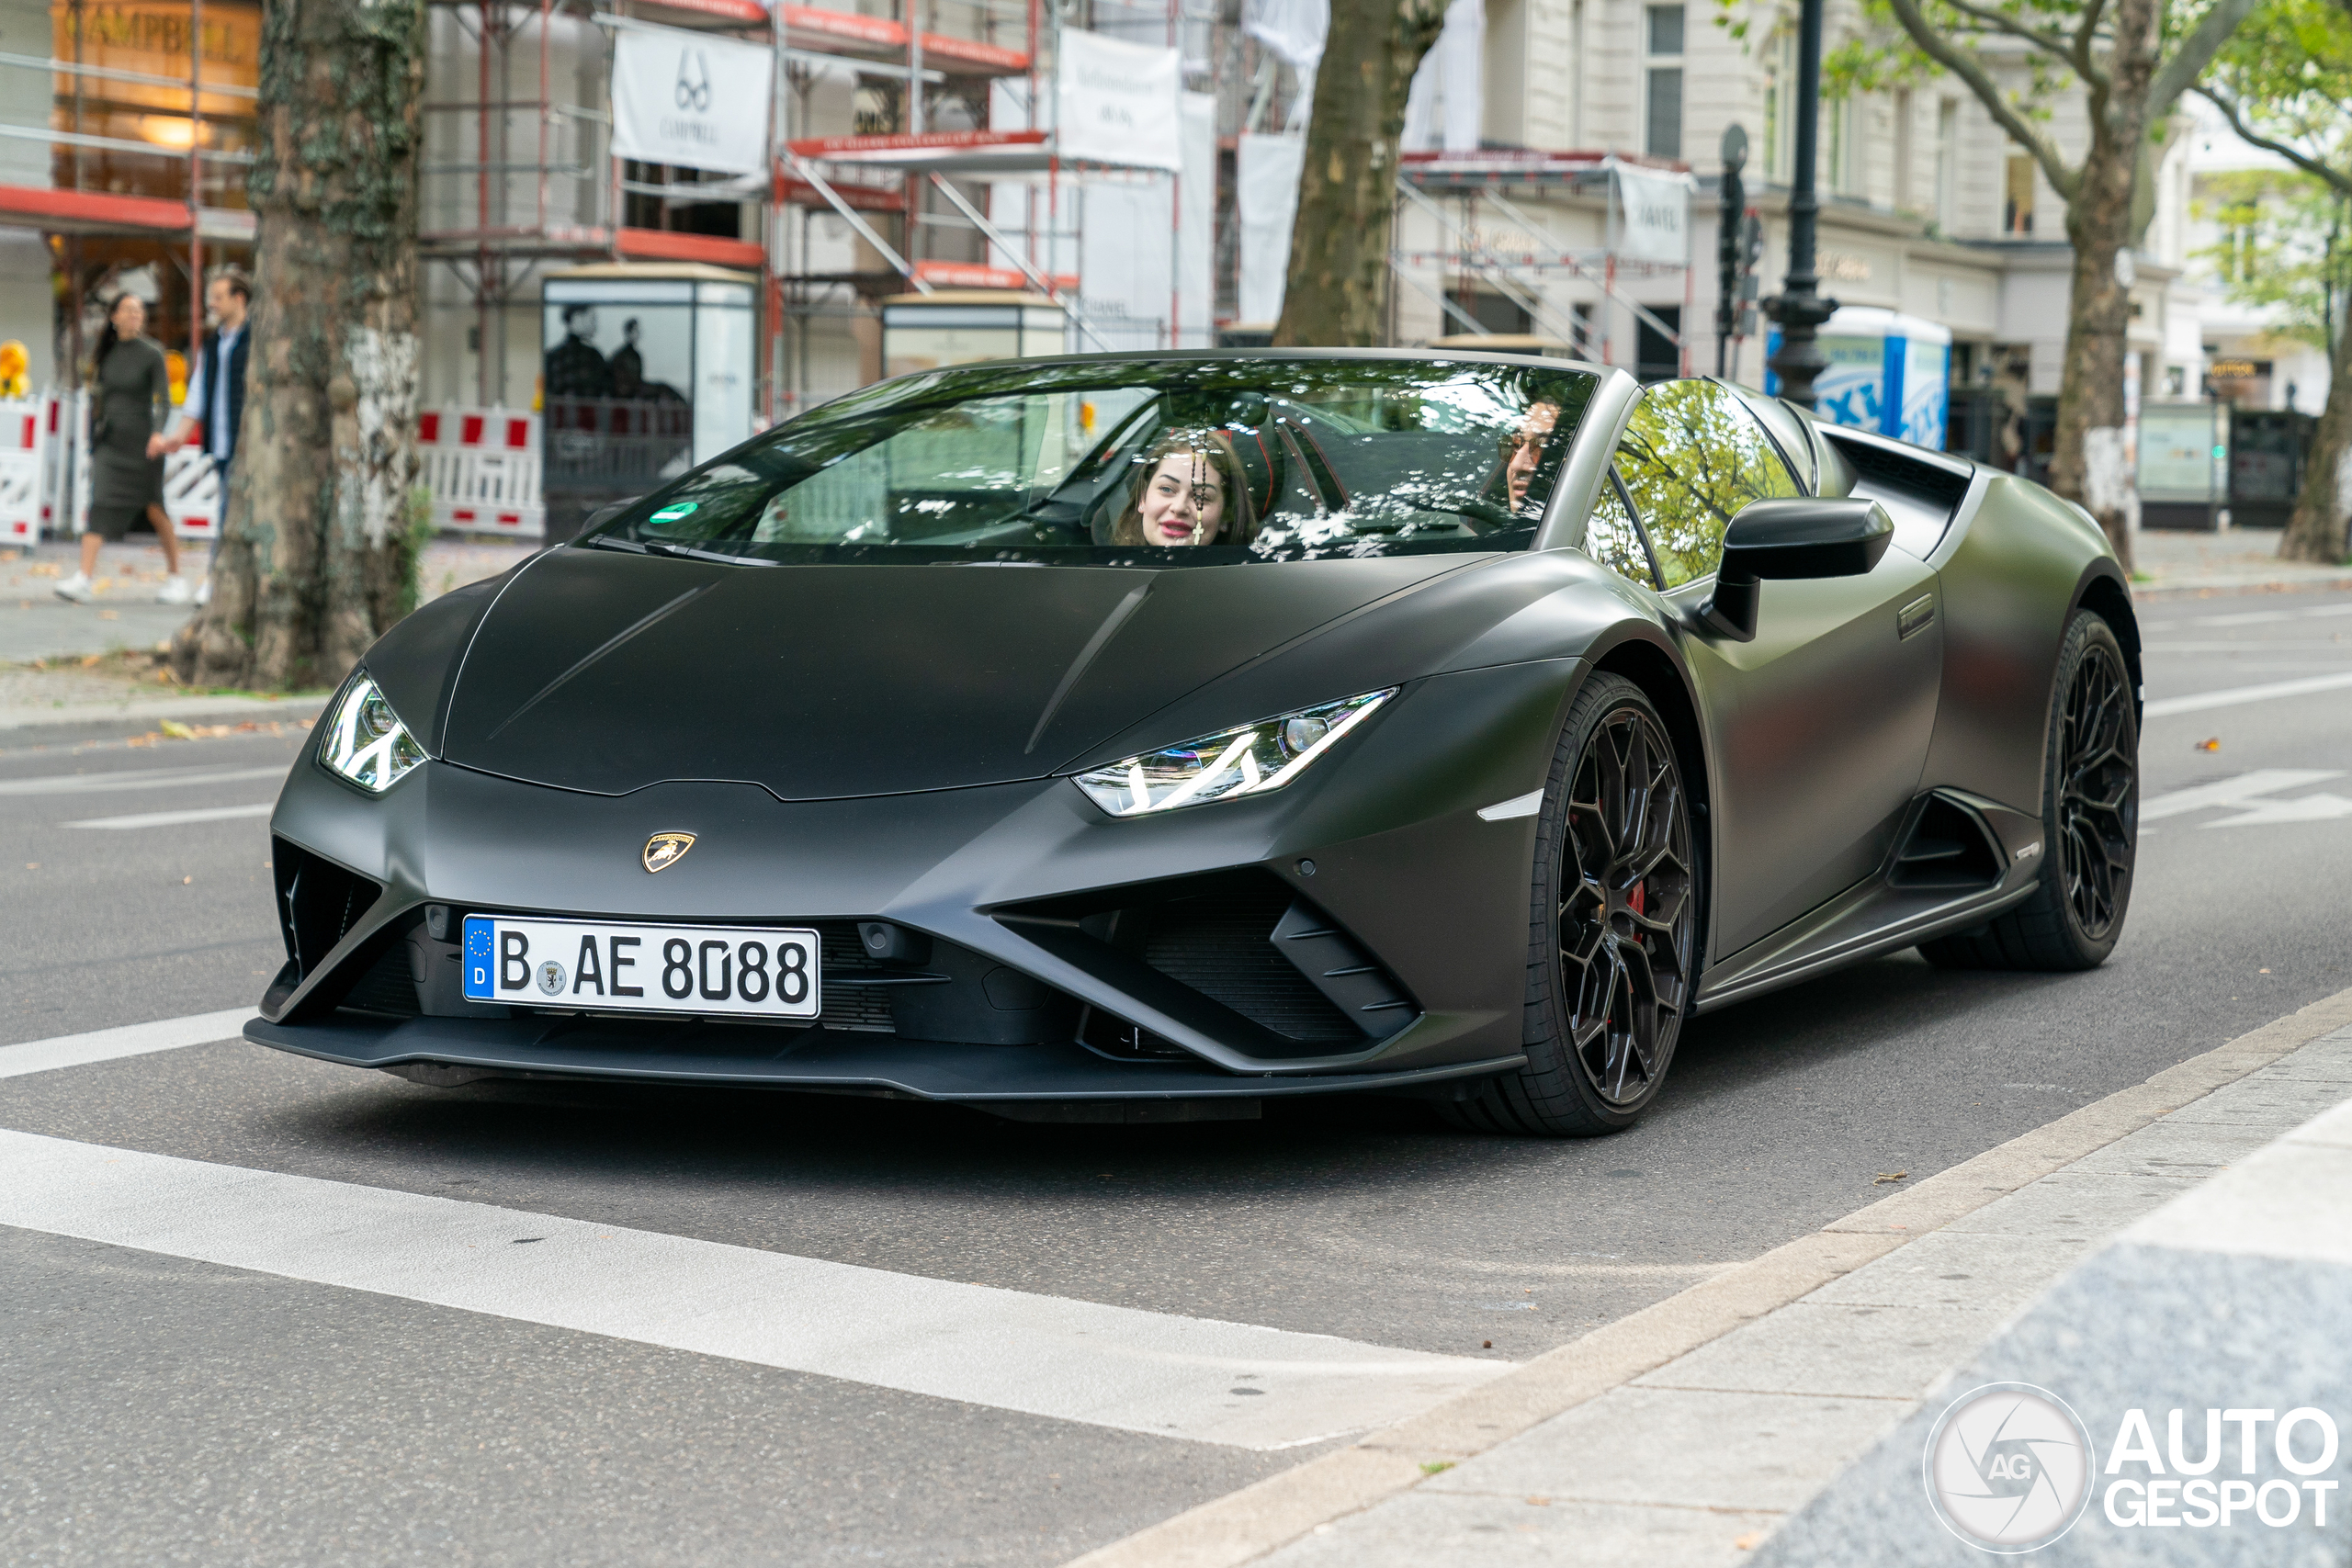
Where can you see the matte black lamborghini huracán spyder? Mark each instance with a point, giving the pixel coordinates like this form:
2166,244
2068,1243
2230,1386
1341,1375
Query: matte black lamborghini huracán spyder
1137,738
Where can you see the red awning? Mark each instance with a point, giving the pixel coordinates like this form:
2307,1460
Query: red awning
664,244
89,212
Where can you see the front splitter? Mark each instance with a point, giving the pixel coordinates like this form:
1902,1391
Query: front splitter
812,1058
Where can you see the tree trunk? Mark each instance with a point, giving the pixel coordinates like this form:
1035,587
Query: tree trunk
317,553
2315,532
1334,295
2091,463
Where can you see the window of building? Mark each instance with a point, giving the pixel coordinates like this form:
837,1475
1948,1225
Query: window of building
1906,181
1662,118
2017,205
1657,356
1691,457
1837,171
1946,212
1779,151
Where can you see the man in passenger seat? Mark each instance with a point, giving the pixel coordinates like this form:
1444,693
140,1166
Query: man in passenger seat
1524,447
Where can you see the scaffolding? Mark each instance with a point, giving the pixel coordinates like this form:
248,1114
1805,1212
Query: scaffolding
1459,194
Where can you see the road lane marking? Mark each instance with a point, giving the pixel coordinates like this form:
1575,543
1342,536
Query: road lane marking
2241,790
1156,1374
176,818
2320,807
159,778
132,1040
2197,702
2248,618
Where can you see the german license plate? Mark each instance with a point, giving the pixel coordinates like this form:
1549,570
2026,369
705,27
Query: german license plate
610,967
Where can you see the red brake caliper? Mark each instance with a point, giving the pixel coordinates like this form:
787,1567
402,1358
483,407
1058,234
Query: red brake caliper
1634,903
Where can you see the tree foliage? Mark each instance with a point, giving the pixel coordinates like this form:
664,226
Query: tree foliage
2284,84
2131,61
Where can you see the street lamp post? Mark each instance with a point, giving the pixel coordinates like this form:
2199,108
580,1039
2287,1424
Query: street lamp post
1798,308
1728,240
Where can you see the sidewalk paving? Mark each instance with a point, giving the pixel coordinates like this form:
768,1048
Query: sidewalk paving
87,665
2184,1244
2238,1295
2173,563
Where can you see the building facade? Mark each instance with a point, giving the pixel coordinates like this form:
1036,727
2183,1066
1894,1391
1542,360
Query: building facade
123,157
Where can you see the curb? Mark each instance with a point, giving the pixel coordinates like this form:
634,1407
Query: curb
1258,1519
206,708
2200,587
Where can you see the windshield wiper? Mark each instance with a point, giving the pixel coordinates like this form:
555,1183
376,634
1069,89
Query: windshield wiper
688,552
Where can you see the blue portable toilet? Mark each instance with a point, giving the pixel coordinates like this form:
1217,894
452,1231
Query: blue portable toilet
1887,372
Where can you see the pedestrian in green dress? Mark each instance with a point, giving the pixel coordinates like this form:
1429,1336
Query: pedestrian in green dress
133,389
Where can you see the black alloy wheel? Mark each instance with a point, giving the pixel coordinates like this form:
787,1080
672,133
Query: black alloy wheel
1616,926
2090,822
2097,803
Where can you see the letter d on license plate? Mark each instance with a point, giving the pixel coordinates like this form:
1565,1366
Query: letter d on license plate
594,965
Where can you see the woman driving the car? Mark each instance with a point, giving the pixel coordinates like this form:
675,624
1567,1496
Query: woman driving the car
1193,493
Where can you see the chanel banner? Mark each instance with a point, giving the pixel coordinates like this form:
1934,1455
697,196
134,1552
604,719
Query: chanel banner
690,99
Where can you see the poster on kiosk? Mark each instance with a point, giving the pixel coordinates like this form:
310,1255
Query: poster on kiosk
1887,372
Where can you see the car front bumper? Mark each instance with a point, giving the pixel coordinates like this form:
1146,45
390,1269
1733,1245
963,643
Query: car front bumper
1385,843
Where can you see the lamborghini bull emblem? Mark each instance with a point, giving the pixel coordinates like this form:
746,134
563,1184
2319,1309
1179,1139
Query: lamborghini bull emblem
666,849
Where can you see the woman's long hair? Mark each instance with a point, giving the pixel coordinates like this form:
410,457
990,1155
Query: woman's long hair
108,336
1237,526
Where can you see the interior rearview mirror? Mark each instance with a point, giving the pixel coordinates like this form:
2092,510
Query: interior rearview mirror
1804,536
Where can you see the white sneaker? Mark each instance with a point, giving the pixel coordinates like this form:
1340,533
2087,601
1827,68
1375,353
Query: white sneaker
76,588
204,592
175,591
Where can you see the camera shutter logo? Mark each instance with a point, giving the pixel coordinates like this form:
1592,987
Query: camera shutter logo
2008,1467
693,91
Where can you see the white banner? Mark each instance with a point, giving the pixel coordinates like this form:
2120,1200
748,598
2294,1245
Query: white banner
1654,215
1265,197
1654,221
1196,227
1118,103
691,100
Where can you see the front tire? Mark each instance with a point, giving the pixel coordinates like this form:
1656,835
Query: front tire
2090,822
1614,926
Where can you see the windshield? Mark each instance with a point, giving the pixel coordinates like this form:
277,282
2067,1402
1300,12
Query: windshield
1173,463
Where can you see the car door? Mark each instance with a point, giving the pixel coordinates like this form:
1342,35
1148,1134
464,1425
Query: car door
1820,726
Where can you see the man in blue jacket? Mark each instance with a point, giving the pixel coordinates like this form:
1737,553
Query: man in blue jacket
216,392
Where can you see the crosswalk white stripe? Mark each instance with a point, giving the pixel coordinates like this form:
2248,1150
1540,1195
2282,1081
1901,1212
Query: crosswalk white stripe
175,819
1141,1372
132,1040
2197,702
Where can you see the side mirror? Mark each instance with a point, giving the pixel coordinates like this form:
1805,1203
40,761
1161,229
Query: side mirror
1804,537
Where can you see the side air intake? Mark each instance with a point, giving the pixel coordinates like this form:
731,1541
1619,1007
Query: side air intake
1949,849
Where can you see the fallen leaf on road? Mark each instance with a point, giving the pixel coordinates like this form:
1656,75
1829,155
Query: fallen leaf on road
177,730
1889,1176
2214,744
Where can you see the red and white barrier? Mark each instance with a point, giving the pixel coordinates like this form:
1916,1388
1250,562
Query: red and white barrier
24,443
483,466
480,465
193,498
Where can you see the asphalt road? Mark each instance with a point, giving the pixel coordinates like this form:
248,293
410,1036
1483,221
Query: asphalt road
158,1409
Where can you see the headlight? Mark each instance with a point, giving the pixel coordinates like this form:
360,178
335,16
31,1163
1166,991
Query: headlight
1248,761
366,741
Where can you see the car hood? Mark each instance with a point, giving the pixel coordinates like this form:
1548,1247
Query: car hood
603,671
